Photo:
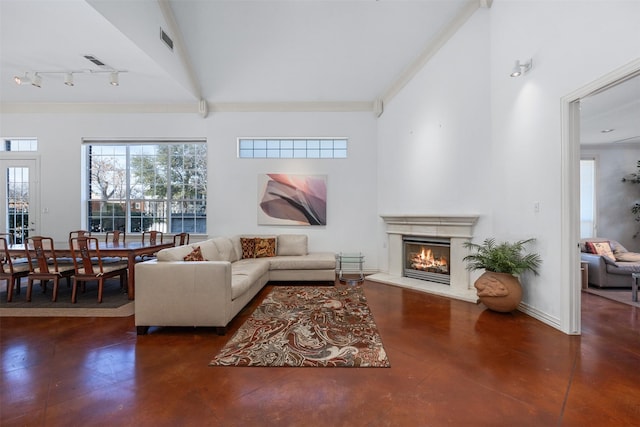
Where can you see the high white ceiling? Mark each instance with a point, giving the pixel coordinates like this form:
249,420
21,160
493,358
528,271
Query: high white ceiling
238,51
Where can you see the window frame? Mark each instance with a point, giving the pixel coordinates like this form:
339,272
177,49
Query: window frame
292,147
129,200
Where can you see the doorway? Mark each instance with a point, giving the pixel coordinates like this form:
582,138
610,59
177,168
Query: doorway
19,198
570,205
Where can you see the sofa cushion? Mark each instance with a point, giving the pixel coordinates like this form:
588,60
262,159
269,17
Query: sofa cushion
174,254
265,247
292,244
245,273
248,245
225,249
628,257
210,251
625,268
312,261
194,255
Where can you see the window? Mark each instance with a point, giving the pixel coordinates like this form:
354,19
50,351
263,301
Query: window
292,148
19,144
587,198
136,187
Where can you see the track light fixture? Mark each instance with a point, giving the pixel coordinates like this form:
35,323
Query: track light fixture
68,79
22,80
520,69
36,80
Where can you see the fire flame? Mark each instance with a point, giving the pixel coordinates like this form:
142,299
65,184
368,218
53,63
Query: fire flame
426,261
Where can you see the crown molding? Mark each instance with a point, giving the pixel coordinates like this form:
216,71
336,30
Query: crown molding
185,108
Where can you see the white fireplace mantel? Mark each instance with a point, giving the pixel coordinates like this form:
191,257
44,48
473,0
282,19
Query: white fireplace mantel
457,228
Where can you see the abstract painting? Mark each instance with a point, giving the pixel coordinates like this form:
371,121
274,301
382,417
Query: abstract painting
285,199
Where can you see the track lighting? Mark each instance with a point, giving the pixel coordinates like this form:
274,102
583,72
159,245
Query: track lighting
37,80
68,79
520,69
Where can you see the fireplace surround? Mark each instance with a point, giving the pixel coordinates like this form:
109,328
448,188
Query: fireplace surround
455,229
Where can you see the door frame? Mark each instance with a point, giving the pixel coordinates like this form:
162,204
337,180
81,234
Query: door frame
34,189
570,195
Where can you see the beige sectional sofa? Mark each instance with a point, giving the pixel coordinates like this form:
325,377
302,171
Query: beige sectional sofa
173,292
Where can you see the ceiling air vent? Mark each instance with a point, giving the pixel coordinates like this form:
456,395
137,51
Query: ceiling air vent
95,60
166,39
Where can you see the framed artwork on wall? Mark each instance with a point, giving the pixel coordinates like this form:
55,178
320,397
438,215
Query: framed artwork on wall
285,199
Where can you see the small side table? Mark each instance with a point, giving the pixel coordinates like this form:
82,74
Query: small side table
350,258
635,277
584,268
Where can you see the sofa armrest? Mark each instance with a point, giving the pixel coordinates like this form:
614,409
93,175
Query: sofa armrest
597,268
181,293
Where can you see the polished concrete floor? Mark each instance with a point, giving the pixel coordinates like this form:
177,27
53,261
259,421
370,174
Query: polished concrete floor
452,364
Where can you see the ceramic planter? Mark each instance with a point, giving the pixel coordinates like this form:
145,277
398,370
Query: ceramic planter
499,291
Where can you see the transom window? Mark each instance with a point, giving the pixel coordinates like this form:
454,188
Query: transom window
19,144
137,187
294,148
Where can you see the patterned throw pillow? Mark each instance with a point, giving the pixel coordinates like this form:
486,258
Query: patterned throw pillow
265,247
195,255
248,247
601,248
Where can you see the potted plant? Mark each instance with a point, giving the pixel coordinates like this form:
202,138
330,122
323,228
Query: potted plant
499,287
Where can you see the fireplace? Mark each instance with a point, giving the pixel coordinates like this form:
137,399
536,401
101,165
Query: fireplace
439,231
427,258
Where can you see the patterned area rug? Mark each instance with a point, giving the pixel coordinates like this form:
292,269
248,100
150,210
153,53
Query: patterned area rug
308,326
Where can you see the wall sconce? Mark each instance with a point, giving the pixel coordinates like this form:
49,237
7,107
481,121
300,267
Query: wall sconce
520,69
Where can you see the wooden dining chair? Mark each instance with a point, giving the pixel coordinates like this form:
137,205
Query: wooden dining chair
78,233
115,236
151,238
10,272
181,239
43,265
85,250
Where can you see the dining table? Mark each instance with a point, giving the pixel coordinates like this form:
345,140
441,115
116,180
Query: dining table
131,250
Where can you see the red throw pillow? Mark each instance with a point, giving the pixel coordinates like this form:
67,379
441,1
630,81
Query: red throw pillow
195,255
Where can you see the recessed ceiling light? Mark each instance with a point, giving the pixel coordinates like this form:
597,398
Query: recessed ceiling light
606,130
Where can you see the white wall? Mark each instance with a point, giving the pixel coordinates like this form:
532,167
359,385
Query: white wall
614,198
572,44
434,136
437,127
232,186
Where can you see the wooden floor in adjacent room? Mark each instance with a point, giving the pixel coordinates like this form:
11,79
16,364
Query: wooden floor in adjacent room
452,363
